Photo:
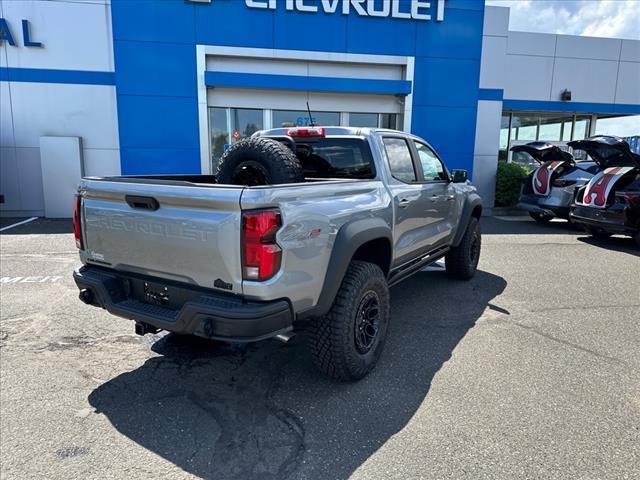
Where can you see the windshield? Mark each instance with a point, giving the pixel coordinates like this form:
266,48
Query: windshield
335,158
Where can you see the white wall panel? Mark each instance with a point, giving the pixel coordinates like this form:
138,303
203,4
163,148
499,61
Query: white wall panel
488,127
525,43
87,111
496,21
267,66
484,178
630,51
61,162
493,64
270,66
101,163
75,35
628,88
485,160
346,102
289,100
356,70
21,179
6,122
588,80
9,183
570,46
528,78
30,178
254,98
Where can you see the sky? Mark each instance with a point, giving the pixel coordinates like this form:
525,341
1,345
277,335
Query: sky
594,18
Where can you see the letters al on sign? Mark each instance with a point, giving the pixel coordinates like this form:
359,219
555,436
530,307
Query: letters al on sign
408,10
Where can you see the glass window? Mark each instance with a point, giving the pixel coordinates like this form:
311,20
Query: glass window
400,161
292,118
335,158
550,129
581,130
363,120
392,121
218,132
567,127
432,168
621,126
524,127
245,122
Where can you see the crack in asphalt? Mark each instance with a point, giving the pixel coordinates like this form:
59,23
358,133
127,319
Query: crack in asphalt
568,343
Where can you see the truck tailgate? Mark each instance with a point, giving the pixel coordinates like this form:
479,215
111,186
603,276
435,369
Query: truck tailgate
172,230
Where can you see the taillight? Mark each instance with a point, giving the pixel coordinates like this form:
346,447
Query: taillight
563,183
261,255
306,132
77,225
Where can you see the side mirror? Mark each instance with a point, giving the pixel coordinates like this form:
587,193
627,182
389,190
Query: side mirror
459,176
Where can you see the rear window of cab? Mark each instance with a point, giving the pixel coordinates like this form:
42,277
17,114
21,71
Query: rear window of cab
335,157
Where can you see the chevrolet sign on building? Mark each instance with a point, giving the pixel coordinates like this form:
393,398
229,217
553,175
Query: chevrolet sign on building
165,86
412,9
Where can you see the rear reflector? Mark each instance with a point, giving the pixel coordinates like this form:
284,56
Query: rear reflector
306,132
77,225
261,255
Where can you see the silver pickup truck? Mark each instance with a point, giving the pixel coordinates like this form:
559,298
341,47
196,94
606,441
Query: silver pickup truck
242,263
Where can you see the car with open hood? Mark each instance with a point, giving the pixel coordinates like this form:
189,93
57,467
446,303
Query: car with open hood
610,202
549,190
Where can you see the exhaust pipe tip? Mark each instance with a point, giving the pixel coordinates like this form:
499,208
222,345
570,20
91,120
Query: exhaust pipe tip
86,295
285,337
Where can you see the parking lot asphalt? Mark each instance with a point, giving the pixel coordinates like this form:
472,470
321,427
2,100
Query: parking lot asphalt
530,370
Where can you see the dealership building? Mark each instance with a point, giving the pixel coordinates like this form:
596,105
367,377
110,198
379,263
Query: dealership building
110,87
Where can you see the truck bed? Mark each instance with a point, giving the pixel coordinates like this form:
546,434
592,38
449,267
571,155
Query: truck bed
187,228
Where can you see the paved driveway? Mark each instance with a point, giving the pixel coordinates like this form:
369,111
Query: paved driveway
531,370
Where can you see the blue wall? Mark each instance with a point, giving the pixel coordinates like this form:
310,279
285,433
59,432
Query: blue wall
155,57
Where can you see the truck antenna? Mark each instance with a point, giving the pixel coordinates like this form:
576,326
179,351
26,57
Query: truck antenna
311,124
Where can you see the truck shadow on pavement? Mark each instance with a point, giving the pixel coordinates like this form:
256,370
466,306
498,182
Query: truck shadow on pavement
263,411
618,244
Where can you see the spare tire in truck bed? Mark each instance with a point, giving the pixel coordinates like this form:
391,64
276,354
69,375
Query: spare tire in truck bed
259,161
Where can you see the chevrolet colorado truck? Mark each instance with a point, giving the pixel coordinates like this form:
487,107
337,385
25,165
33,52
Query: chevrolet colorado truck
253,259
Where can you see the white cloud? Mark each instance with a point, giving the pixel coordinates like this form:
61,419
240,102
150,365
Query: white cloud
596,18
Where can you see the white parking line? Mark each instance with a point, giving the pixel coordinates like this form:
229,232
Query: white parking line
19,223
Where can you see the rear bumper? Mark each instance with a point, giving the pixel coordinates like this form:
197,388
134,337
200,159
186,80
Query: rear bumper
562,212
614,221
205,313
556,204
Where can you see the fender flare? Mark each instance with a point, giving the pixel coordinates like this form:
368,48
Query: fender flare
349,238
472,201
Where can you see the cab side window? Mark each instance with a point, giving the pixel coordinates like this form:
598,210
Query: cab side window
400,161
432,167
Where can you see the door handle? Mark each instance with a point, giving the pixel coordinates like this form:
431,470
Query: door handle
434,198
404,202
146,203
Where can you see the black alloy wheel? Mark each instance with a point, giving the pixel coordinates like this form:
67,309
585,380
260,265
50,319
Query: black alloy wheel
367,322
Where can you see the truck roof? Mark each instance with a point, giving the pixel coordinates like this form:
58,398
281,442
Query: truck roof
329,131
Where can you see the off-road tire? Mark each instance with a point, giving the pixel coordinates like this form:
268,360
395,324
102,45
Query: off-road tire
332,338
461,262
259,161
540,217
596,233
